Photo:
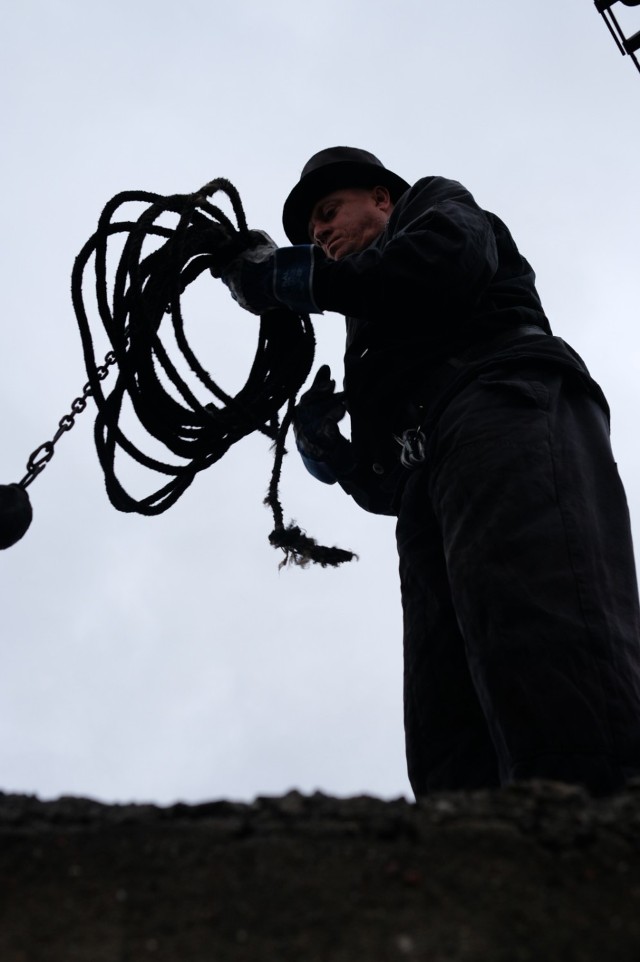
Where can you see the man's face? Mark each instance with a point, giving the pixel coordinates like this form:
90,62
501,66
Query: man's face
348,220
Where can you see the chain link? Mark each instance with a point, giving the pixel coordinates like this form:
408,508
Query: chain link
39,459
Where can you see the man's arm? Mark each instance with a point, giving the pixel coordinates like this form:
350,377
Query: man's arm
438,250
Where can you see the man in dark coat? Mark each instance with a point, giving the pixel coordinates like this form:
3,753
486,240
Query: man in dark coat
489,440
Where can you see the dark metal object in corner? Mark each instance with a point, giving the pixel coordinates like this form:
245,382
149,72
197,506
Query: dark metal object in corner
626,45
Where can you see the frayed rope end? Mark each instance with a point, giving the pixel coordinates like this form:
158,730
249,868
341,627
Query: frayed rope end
300,549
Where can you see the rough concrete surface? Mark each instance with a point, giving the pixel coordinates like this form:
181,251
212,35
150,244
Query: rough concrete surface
535,872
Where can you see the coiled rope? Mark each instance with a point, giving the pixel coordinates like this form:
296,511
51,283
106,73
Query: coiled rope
147,288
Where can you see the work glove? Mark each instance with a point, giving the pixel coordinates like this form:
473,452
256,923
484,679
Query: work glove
265,276
325,452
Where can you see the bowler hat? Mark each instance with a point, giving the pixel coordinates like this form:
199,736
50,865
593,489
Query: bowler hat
329,170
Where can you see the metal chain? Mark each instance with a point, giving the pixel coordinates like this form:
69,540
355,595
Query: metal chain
39,459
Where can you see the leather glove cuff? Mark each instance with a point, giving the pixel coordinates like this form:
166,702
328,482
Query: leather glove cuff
293,278
266,277
330,466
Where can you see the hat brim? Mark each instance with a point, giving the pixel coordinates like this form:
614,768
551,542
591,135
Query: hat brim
318,183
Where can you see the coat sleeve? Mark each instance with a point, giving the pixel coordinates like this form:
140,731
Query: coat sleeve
438,250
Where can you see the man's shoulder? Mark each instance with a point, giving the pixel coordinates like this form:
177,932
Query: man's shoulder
436,182
434,190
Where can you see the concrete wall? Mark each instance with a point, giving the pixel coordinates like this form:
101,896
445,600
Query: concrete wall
531,873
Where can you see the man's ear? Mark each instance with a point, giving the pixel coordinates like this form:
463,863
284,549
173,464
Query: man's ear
382,198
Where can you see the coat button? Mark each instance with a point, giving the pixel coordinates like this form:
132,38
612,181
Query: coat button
377,468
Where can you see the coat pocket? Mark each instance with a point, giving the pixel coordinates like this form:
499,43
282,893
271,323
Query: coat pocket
530,391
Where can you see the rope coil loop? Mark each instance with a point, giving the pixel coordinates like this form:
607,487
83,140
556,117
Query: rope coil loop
147,288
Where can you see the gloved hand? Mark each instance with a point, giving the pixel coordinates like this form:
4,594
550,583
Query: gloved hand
315,424
316,416
264,277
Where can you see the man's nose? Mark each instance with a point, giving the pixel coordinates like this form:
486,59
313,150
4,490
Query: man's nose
320,233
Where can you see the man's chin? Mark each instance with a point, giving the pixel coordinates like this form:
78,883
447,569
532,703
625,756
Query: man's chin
339,251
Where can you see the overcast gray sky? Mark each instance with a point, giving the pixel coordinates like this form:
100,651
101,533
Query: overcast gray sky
168,658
